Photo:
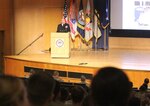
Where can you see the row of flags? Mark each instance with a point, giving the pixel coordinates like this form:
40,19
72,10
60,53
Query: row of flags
85,23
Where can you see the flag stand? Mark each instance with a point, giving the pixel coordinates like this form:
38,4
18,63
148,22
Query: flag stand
73,45
104,39
88,46
79,45
96,47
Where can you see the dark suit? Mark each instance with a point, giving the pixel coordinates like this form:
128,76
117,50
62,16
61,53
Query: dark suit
63,28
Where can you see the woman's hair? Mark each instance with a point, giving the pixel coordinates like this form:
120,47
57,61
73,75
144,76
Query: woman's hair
12,91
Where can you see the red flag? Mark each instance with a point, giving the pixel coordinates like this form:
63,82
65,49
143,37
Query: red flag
72,19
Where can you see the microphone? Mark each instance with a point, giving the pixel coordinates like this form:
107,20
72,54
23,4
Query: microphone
30,43
42,35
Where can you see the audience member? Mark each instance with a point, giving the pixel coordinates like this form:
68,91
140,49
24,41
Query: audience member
32,71
77,95
56,76
145,102
85,85
40,89
145,99
134,101
110,87
83,79
88,101
60,96
56,93
144,86
12,92
131,84
64,94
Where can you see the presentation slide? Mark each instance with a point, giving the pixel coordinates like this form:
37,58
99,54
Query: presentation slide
130,14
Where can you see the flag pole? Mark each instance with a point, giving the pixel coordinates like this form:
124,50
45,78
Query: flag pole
104,39
73,44
96,44
80,44
87,45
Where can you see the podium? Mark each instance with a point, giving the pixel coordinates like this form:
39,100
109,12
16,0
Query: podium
60,45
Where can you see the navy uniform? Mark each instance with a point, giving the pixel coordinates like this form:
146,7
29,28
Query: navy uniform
63,28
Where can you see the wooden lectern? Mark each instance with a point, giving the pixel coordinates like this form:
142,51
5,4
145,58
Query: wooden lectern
60,45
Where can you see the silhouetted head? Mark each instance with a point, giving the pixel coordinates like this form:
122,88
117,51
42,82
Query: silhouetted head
146,80
40,88
77,94
110,86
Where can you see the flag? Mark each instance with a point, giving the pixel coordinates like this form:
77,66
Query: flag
102,7
97,31
88,23
105,21
72,19
65,13
81,23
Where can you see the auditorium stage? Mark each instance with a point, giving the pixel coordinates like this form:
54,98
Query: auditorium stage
136,63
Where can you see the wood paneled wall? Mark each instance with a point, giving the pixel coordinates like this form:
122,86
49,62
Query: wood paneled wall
129,43
32,18
5,24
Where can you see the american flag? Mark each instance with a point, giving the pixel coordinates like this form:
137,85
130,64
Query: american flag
72,18
65,13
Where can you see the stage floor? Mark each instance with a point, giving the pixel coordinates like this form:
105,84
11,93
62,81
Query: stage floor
121,58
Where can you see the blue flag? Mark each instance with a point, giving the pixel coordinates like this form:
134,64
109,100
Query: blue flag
97,30
81,23
102,7
105,21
